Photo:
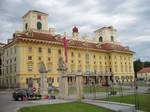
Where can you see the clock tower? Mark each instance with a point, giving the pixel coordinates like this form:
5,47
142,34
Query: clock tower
35,20
105,35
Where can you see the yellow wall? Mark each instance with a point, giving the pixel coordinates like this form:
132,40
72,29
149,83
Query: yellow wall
102,62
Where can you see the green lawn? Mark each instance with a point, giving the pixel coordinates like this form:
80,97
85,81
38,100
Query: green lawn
92,89
141,83
65,107
143,99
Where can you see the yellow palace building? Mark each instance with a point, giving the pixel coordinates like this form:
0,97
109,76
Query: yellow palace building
102,58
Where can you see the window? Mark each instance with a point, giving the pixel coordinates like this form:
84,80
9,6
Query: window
71,61
15,59
39,58
7,52
94,56
72,54
109,57
11,51
10,68
79,61
7,69
110,69
39,25
40,49
26,26
29,68
59,51
112,39
79,55
57,79
30,49
100,39
10,60
39,17
49,50
87,56
49,58
29,57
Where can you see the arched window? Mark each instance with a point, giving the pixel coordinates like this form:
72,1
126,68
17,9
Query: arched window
112,39
39,25
100,39
26,26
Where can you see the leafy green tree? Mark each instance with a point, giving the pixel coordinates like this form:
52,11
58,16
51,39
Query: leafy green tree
138,65
147,64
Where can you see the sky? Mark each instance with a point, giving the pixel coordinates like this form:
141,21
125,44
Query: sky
131,18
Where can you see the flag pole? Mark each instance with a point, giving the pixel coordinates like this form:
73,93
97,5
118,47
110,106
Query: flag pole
66,49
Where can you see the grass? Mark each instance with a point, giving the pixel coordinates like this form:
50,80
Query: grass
141,83
65,107
92,89
142,99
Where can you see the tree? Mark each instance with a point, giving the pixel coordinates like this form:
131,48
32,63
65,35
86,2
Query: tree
147,64
138,65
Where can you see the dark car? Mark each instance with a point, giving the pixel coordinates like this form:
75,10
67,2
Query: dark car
25,94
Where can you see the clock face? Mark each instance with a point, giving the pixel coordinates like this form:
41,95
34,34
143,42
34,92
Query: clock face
39,25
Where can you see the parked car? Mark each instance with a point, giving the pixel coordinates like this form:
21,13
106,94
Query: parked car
25,94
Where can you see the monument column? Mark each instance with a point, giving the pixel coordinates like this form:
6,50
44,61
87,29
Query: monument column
63,84
64,87
79,86
43,79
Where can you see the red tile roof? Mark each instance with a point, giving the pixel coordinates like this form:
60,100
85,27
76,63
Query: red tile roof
144,70
73,43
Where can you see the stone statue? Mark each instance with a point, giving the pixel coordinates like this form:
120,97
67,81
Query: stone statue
42,68
43,79
61,64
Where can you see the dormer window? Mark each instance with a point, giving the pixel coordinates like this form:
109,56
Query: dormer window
39,25
100,39
26,26
112,39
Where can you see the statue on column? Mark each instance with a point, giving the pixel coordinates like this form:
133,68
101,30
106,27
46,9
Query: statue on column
61,65
63,82
43,79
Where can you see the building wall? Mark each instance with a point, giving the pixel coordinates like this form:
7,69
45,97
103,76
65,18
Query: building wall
32,20
144,76
119,63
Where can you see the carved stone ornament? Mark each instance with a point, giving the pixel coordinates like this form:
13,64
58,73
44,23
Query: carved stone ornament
42,68
61,64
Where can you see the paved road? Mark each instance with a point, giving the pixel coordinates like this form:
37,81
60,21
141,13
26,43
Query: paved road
7,104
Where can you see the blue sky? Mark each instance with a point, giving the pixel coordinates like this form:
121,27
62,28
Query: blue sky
130,18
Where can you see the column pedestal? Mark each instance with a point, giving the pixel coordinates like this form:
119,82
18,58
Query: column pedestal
79,86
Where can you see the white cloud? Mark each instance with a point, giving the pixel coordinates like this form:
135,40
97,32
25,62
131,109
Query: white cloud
131,18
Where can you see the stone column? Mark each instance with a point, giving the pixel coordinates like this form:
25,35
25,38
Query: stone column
64,87
43,84
79,86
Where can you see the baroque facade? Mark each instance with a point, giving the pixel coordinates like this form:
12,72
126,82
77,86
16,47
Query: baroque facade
102,58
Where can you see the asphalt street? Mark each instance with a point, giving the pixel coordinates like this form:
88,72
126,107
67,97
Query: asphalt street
7,104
